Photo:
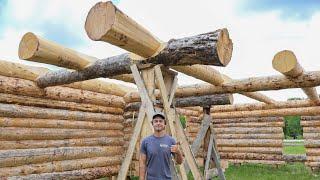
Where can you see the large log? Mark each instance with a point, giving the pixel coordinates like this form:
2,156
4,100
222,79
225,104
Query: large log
32,144
313,151
262,150
286,63
270,162
311,129
262,106
312,135
310,118
56,123
31,73
14,133
251,124
18,157
29,88
252,156
250,142
242,130
17,111
89,173
50,103
247,120
250,136
60,166
303,111
199,49
311,143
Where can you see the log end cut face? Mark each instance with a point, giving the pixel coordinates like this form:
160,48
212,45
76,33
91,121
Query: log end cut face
100,19
224,47
28,46
286,63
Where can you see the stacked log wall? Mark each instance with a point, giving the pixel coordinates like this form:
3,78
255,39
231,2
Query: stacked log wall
58,132
311,135
250,140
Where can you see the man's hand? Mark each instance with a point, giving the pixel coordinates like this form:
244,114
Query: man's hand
178,155
175,149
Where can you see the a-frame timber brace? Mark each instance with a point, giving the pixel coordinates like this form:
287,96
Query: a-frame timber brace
167,82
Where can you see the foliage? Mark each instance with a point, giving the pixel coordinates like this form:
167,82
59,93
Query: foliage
183,121
292,127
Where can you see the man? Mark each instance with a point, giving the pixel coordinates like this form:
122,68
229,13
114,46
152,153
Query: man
156,150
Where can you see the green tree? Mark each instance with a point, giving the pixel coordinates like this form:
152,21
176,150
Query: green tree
292,127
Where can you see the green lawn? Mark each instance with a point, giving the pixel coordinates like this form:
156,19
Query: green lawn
294,149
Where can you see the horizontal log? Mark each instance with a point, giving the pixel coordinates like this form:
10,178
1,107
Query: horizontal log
247,120
15,133
199,49
29,88
311,135
310,118
89,173
60,166
49,103
311,143
263,106
270,162
311,129
251,156
294,158
18,157
61,124
251,136
251,124
187,112
313,158
313,151
269,112
262,150
32,144
241,130
10,110
313,164
249,142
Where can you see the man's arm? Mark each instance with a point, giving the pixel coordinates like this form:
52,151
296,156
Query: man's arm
177,153
142,166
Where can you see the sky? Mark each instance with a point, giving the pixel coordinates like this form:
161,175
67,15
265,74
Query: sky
258,29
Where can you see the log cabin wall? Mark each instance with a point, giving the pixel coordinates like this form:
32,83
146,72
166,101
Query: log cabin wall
311,135
58,132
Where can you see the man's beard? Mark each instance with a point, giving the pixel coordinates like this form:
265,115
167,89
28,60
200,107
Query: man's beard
158,129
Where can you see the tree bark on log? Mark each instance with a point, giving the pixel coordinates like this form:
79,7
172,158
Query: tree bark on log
251,124
32,144
14,133
286,63
18,157
89,173
199,49
262,106
60,166
250,136
242,130
25,87
248,119
50,103
17,111
262,150
250,143
251,156
303,111
56,123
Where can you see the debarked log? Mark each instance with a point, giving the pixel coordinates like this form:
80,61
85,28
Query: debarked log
262,150
32,144
314,151
270,162
247,120
311,143
249,142
251,124
62,124
311,135
60,166
17,111
50,103
15,133
253,156
17,157
250,136
242,130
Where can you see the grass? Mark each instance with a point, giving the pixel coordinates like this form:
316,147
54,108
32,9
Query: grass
294,149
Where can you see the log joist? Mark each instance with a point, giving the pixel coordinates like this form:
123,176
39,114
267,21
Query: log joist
286,63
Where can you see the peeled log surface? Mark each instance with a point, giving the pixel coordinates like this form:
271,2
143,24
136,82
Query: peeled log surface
311,129
61,124
286,63
187,112
17,111
312,135
90,173
199,49
241,130
60,166
49,103
252,156
14,133
247,120
17,157
294,158
29,88
250,136
310,118
262,150
251,124
313,158
303,111
32,144
249,142
270,162
262,106
313,151
311,143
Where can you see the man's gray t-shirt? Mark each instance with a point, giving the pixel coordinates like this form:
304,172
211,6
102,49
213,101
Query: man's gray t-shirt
157,150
